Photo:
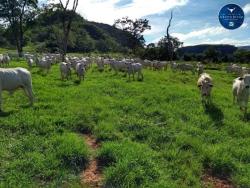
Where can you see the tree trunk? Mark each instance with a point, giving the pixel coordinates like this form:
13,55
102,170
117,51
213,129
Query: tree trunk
21,41
17,40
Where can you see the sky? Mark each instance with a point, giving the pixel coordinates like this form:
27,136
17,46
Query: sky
194,22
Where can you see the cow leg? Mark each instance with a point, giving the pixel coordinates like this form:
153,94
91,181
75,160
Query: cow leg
29,93
0,100
142,77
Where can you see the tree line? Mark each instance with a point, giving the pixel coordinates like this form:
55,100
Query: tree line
54,27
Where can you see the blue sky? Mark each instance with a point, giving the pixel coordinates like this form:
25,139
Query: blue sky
194,22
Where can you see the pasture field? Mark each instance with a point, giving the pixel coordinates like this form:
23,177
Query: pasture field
153,133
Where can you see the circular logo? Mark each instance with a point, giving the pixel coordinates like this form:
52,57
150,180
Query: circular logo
231,16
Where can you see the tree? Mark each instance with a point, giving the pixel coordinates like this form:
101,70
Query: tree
169,43
16,13
135,27
66,20
212,54
168,47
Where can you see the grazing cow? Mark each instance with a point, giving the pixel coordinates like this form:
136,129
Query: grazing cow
4,60
44,64
118,66
200,68
65,69
12,79
133,68
241,91
30,62
80,71
205,85
185,67
245,70
160,65
100,63
73,61
147,64
234,68
173,66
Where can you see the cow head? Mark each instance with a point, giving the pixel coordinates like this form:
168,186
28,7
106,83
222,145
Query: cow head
205,88
246,80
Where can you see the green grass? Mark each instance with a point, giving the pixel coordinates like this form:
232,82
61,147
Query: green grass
154,133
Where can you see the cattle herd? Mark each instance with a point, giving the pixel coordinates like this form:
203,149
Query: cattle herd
14,78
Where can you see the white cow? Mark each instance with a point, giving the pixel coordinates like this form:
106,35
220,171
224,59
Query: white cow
133,68
44,64
12,79
245,70
65,69
80,71
30,62
4,60
160,65
100,64
205,85
173,66
186,67
241,91
200,68
118,65
234,68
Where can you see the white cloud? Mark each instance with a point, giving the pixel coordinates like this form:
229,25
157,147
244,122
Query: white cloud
156,40
199,34
231,41
247,8
106,11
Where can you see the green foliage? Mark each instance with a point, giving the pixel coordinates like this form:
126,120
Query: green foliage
242,56
16,13
135,27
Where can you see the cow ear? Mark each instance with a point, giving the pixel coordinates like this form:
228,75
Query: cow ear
241,78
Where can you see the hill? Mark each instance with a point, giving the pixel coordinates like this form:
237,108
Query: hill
199,49
244,48
43,34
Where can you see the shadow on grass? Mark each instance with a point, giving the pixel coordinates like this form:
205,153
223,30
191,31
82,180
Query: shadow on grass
25,106
246,117
6,114
77,82
64,84
214,112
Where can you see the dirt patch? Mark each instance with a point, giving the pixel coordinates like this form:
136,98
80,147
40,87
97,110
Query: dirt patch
91,142
92,175
215,182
